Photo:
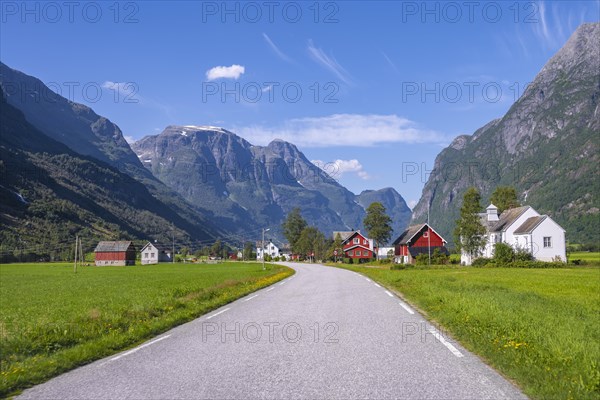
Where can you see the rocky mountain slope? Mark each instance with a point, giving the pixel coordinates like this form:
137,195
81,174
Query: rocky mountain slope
49,193
394,204
546,146
247,186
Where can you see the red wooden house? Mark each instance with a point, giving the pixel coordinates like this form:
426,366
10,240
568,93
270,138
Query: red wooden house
415,240
115,253
356,246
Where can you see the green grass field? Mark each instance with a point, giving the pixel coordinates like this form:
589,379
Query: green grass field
539,327
53,320
589,256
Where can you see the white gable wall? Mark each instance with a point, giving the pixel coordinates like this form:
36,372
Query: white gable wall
549,228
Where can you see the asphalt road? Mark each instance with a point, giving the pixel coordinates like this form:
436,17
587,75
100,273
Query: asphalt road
323,333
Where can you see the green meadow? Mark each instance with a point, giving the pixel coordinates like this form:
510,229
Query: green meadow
53,319
538,327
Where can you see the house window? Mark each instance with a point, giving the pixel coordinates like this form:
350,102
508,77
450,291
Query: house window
426,234
356,241
547,241
357,252
152,255
145,255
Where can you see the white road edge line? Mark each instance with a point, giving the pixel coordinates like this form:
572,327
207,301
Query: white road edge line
389,294
407,308
367,279
220,312
449,345
250,298
269,289
139,348
377,285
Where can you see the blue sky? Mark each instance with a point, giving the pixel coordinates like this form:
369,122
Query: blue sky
372,90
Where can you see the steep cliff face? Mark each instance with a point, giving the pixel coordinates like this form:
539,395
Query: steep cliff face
246,187
546,146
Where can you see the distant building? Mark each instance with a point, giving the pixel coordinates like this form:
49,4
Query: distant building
415,240
384,252
115,253
522,228
267,248
154,253
356,246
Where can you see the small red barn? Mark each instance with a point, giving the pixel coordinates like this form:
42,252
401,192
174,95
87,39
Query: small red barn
356,246
415,240
115,253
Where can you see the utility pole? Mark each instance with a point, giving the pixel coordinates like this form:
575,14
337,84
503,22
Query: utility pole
428,233
262,245
173,253
75,263
80,253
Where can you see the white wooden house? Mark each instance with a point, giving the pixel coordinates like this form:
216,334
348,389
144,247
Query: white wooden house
523,228
154,253
267,248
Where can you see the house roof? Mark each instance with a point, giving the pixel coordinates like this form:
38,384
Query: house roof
411,232
353,234
106,246
530,224
357,245
507,218
160,247
343,234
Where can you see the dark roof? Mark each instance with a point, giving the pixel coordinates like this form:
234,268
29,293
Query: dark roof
507,218
113,246
408,234
343,234
529,225
351,235
415,251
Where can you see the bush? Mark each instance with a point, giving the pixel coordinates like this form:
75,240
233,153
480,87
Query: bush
439,258
481,262
503,253
398,266
348,260
422,259
384,261
523,255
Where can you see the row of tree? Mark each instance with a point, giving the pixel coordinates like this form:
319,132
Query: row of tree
308,242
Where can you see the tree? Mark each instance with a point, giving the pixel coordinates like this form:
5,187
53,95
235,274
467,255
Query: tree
378,223
504,197
216,248
248,250
293,226
336,245
312,240
184,252
470,233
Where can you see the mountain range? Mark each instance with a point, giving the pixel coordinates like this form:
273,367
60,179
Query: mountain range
546,146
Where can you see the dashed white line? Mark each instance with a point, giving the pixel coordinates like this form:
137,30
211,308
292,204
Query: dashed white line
269,289
215,314
377,285
281,283
139,348
449,345
250,298
389,294
407,308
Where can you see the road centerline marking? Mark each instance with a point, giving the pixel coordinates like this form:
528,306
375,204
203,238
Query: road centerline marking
443,341
139,348
269,289
250,298
220,312
407,308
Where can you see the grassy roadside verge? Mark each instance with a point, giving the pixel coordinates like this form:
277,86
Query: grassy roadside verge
540,328
53,320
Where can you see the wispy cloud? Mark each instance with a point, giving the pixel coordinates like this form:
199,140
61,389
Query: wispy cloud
390,62
276,49
220,72
126,90
354,130
328,62
337,168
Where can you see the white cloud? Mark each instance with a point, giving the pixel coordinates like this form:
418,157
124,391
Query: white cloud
127,90
279,53
232,72
354,130
337,168
329,62
412,203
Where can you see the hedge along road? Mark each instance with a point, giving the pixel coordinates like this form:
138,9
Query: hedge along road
322,333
